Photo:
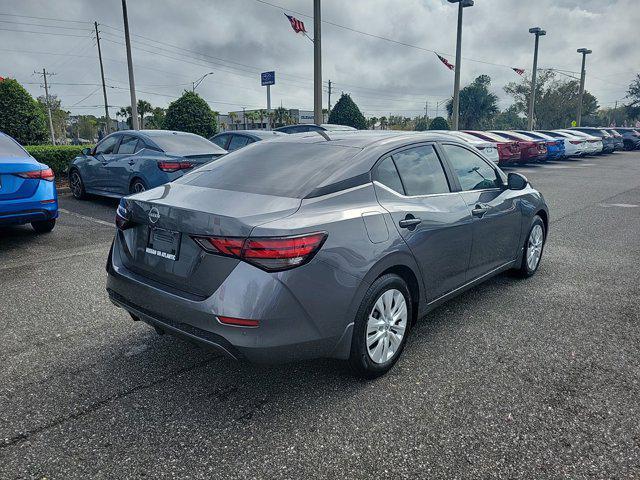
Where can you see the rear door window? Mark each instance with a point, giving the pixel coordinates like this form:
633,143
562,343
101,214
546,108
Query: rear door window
238,141
473,172
128,145
221,141
421,171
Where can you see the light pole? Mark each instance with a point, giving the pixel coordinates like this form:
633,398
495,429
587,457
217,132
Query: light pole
317,64
195,84
456,83
584,52
538,32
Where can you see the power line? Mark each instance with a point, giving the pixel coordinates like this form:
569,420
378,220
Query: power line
11,22
44,18
45,33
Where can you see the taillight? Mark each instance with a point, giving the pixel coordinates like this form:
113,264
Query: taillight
268,253
170,166
123,216
575,142
46,174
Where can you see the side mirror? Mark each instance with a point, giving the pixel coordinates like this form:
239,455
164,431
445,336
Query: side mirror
515,181
86,151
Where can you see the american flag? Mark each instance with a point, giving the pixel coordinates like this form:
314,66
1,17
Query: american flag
297,25
519,71
449,65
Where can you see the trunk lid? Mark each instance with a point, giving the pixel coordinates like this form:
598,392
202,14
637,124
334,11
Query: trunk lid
11,185
166,218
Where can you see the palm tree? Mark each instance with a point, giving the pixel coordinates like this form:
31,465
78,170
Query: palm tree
125,114
144,107
251,117
261,114
373,121
384,123
233,116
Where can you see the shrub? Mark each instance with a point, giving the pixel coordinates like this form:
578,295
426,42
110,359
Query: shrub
190,113
58,157
346,112
439,123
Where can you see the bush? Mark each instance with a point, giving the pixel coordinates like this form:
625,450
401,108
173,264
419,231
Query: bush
439,123
190,113
58,157
346,112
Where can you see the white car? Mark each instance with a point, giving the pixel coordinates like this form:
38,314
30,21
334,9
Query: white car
488,149
594,144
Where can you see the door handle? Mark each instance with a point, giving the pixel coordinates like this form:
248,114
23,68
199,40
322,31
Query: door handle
479,210
409,222
132,162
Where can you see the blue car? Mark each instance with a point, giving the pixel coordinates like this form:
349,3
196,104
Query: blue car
556,149
27,189
131,161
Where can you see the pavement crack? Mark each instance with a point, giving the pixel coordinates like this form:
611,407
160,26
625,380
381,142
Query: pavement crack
94,407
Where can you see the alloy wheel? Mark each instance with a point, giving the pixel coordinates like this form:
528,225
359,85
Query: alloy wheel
386,326
534,247
75,182
138,187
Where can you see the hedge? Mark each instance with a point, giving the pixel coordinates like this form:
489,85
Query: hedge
58,157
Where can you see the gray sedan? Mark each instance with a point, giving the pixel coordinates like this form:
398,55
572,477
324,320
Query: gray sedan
133,161
327,245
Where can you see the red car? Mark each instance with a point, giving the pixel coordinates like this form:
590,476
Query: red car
508,150
532,150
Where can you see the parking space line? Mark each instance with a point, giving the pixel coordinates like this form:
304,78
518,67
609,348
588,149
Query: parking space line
89,219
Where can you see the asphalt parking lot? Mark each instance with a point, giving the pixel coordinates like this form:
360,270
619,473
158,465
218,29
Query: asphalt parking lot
514,379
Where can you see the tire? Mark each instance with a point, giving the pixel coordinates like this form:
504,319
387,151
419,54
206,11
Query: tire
77,185
137,186
371,358
44,226
533,245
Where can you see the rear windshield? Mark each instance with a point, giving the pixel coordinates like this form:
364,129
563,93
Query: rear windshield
282,169
185,144
9,148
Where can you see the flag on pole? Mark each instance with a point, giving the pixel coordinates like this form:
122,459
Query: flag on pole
519,71
448,64
297,25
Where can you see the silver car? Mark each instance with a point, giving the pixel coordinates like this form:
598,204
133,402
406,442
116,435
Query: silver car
329,245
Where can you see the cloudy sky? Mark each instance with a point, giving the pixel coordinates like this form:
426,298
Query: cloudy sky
175,42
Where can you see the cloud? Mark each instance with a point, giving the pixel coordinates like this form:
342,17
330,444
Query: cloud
237,39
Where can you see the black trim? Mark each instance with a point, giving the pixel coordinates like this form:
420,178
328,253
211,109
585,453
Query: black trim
352,182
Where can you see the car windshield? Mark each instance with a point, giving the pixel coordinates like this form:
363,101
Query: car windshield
274,168
10,149
186,144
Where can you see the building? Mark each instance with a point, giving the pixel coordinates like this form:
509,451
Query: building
236,120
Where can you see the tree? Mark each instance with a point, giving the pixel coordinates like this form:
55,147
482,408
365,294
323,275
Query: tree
477,105
20,115
510,119
87,127
556,100
190,113
156,120
421,123
633,94
262,113
125,113
373,121
281,117
384,123
439,123
59,117
144,107
346,112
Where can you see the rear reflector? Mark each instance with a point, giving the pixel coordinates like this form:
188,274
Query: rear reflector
268,253
174,166
238,322
46,174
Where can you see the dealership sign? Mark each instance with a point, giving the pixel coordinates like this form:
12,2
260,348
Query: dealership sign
268,78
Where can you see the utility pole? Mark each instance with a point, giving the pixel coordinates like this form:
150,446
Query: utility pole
317,64
46,97
456,83
104,88
329,101
132,85
426,109
584,52
538,32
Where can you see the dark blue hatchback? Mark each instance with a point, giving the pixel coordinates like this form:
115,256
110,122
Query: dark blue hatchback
27,189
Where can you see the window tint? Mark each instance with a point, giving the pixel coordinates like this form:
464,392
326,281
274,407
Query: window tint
421,171
128,145
388,175
184,144
107,145
473,172
9,148
238,141
221,140
275,168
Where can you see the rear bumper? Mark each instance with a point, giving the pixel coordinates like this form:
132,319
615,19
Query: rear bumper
43,205
287,332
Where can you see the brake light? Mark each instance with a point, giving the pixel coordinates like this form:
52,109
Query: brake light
268,253
575,142
46,174
170,166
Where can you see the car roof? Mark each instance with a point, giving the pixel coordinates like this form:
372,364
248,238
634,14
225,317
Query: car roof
261,134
